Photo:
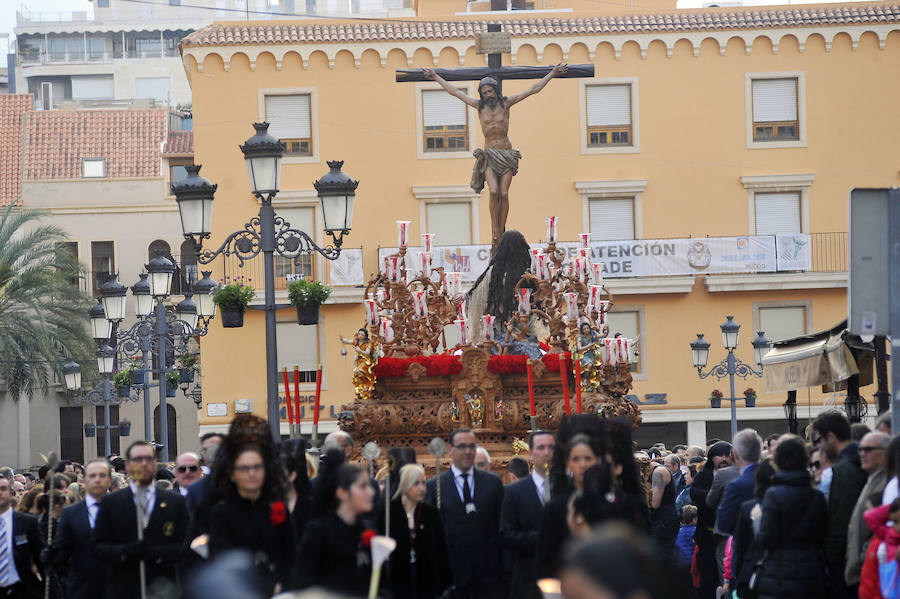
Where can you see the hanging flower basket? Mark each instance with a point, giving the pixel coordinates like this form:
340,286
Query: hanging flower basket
308,314
750,398
124,428
171,390
715,399
123,391
186,374
137,377
90,430
233,317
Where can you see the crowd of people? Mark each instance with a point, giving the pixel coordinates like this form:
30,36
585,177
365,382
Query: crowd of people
586,517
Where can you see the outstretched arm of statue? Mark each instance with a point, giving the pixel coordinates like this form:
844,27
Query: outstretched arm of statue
453,91
559,69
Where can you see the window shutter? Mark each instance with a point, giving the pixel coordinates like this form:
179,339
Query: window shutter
297,345
288,116
774,100
612,219
440,109
783,322
451,223
156,88
92,87
608,105
777,213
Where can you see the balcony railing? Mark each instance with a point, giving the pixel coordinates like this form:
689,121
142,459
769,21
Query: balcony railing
31,58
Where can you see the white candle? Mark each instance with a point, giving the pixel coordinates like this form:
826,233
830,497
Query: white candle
428,242
379,298
608,354
621,351
552,224
585,239
487,326
387,329
597,273
525,300
403,233
543,272
585,253
534,261
571,305
422,301
463,327
394,269
593,298
602,307
425,262
371,311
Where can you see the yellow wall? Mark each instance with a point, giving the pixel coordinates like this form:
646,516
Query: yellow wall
692,152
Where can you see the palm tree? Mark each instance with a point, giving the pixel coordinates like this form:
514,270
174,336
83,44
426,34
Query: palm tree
42,313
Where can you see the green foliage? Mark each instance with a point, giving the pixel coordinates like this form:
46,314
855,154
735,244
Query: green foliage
122,377
173,379
233,294
191,361
42,312
304,293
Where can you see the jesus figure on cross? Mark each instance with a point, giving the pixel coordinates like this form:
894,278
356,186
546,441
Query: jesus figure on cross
498,161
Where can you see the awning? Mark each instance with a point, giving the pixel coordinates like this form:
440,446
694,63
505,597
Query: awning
812,360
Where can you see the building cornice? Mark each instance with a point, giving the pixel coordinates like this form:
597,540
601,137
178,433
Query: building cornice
777,281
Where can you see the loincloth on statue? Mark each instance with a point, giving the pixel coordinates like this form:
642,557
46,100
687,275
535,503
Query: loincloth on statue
501,162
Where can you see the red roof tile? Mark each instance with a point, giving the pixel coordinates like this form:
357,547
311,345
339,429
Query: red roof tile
236,34
179,142
12,110
129,140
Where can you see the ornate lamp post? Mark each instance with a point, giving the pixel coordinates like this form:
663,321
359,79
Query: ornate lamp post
266,233
730,365
790,412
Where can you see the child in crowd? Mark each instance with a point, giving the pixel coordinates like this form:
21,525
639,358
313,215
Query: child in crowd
884,521
869,586
684,543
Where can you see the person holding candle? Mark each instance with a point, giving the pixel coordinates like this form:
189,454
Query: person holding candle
494,292
250,513
334,553
420,566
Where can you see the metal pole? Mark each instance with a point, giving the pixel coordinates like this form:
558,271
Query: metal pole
161,331
733,400
108,429
894,266
267,244
148,413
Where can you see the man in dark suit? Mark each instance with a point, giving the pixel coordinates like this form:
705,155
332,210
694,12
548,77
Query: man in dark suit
520,516
747,449
469,501
163,518
20,549
71,555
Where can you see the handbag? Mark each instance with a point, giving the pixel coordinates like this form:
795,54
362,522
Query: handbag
757,571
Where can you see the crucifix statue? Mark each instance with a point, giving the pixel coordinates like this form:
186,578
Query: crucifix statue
498,162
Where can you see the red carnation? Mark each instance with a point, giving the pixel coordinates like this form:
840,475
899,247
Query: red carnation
365,539
277,513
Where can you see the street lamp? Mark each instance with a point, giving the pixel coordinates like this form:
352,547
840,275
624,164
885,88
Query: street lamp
72,375
100,327
262,154
186,310
730,365
160,271
112,295
143,299
790,412
106,359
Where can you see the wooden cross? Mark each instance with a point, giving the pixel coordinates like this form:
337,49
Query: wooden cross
494,43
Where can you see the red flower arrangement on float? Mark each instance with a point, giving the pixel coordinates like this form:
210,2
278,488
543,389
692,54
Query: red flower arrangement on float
449,365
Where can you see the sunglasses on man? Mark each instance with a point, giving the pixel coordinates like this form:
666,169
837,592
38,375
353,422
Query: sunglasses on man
183,469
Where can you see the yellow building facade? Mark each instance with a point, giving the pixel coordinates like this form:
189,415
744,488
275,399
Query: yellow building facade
737,123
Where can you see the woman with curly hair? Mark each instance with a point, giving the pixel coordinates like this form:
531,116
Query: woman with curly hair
335,553
249,511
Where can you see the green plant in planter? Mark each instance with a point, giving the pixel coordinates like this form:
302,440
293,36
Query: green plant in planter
173,379
189,361
749,392
122,377
304,293
236,294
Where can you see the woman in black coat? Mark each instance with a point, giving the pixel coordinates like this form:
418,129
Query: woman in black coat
420,565
717,456
792,529
335,552
250,513
746,551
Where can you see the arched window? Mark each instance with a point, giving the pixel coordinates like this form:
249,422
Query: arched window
187,267
158,245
